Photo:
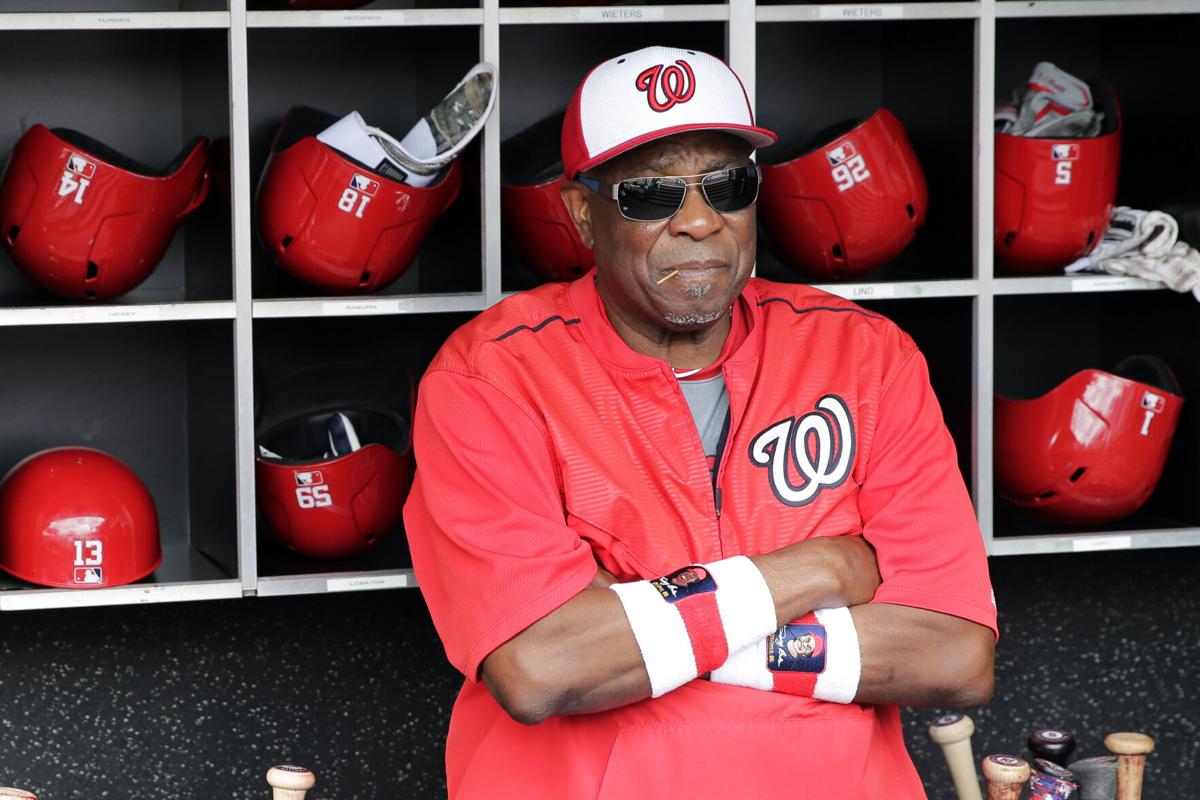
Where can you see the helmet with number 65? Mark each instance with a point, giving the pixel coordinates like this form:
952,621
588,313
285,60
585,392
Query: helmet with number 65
334,223
847,204
77,518
87,222
333,483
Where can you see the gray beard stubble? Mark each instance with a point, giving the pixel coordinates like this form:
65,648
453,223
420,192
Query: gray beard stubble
696,292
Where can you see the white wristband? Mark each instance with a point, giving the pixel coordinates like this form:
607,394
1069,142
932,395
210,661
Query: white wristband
833,679
689,622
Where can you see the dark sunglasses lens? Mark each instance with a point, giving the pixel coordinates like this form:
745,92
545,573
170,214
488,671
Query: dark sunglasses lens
732,190
649,199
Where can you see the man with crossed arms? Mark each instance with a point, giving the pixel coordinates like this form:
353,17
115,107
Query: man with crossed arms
684,530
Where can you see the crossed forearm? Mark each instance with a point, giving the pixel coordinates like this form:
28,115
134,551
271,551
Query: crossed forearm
583,657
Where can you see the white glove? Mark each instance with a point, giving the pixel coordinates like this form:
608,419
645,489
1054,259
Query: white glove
1144,244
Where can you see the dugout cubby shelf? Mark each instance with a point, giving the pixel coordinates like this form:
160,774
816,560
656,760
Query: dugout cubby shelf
840,73
1097,331
375,360
157,396
391,76
146,94
181,353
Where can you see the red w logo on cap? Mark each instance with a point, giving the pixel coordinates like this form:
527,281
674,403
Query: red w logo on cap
676,83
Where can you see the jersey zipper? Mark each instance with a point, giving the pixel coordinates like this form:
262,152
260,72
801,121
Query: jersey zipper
716,492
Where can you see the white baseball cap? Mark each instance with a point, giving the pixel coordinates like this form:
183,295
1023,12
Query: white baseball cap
651,93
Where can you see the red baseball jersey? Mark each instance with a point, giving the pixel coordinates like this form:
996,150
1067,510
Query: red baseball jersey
545,444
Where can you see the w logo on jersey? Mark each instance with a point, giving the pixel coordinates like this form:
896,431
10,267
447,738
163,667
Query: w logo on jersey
840,153
364,184
819,446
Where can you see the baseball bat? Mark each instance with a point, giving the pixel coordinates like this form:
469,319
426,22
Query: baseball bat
1131,750
16,794
1097,777
289,782
952,732
1005,775
1052,744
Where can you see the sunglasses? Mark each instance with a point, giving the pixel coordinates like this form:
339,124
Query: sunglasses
653,199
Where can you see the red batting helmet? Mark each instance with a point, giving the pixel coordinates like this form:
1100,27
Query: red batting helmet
88,223
1054,197
1092,449
332,483
333,222
77,518
532,206
850,203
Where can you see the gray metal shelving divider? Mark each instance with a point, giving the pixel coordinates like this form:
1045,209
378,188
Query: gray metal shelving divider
239,146
742,18
984,312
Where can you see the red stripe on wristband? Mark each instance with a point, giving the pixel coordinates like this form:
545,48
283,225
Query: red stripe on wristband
702,618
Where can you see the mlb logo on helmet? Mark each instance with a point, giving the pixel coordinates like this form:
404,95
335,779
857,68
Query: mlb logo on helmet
840,153
80,165
309,478
1153,402
364,185
91,575
1064,152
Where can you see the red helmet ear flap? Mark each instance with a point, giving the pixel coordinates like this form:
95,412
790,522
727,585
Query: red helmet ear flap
1092,449
87,222
848,204
533,212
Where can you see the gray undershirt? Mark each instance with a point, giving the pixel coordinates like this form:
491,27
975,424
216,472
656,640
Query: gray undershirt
708,401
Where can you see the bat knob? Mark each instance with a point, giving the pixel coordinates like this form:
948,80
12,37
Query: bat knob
1005,775
950,728
1052,744
1128,744
290,782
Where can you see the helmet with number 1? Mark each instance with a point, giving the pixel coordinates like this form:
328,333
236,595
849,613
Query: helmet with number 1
333,483
77,518
87,222
1092,449
334,223
532,207
848,204
1055,197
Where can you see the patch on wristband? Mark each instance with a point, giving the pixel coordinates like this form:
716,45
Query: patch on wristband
797,648
684,583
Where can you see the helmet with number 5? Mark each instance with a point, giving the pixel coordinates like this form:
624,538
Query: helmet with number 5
847,204
334,223
87,222
77,518
333,483
1055,197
